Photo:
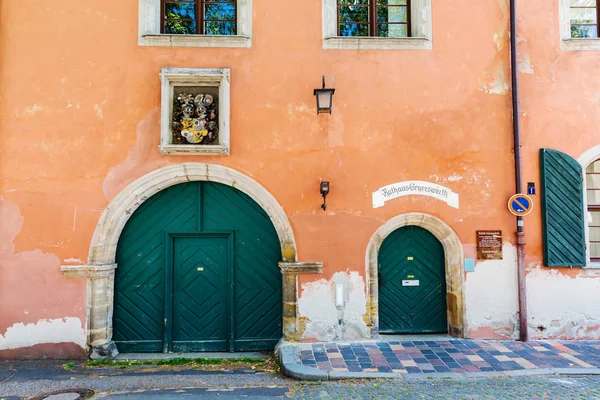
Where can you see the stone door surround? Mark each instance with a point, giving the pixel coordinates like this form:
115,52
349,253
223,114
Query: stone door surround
100,269
454,259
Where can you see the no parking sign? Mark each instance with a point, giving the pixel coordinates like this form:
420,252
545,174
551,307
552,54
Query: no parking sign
520,205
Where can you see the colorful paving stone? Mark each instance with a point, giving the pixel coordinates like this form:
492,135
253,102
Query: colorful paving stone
449,356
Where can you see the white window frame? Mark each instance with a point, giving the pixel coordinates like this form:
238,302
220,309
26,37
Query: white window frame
149,29
588,157
172,77
421,24
567,43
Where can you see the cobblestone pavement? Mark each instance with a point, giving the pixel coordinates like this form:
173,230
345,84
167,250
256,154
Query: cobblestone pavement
458,356
526,387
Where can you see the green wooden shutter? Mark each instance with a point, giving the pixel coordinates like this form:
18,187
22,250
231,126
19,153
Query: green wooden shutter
563,214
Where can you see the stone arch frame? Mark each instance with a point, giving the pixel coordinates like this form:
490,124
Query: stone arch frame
100,269
454,260
585,159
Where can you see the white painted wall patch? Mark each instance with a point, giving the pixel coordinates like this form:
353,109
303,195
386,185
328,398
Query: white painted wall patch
408,188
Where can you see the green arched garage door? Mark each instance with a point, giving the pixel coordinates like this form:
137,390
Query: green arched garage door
197,271
412,283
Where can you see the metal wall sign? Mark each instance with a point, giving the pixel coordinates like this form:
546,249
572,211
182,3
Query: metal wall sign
489,245
408,188
412,282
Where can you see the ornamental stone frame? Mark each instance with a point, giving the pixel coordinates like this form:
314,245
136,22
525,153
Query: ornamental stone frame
149,29
100,269
454,257
421,39
567,43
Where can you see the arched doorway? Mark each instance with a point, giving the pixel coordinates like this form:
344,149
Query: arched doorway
453,267
412,283
198,271
101,266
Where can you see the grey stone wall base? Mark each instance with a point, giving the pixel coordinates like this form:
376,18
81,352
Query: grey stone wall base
104,351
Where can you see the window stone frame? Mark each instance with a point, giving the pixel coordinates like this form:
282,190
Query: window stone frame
567,43
588,157
149,29
172,77
422,29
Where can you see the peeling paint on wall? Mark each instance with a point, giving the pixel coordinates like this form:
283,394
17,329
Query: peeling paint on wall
561,307
492,298
32,289
326,322
525,64
497,82
64,330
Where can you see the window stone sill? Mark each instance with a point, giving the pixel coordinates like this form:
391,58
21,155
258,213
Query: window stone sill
591,269
194,150
580,44
195,41
376,43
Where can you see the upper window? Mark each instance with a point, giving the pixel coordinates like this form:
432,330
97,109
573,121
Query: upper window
584,19
381,18
195,23
200,17
377,24
593,207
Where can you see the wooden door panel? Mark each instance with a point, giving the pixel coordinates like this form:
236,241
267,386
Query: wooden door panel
412,254
200,294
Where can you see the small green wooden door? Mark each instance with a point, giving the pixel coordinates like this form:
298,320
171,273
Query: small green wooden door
201,296
412,283
198,271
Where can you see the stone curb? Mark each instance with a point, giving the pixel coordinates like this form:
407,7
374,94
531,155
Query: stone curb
292,367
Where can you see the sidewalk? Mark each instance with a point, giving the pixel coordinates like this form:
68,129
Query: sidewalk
439,358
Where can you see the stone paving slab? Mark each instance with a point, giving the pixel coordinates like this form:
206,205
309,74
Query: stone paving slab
447,358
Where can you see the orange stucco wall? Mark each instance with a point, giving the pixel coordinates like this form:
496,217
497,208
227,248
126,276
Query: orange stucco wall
80,110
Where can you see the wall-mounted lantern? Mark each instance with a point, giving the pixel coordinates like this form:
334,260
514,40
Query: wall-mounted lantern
324,189
324,98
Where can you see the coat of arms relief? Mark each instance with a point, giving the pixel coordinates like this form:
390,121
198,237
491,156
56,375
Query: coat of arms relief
195,117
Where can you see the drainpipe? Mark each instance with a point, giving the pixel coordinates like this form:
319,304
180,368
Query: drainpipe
520,234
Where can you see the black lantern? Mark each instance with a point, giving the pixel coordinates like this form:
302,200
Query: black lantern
324,98
324,189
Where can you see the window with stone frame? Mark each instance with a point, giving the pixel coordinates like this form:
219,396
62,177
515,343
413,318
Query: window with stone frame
195,23
593,209
380,18
584,16
198,17
377,24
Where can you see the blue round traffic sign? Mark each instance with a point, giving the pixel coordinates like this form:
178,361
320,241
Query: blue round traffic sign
520,204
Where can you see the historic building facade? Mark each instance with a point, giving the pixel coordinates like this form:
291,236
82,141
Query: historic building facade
162,166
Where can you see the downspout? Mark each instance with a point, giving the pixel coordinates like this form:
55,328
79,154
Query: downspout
520,234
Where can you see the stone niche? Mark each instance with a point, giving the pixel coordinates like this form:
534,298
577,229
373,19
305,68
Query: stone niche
195,111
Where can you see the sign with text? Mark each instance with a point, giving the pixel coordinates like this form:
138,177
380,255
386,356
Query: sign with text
489,245
408,188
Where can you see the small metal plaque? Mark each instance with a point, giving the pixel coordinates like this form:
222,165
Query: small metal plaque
412,282
489,245
200,269
410,258
410,276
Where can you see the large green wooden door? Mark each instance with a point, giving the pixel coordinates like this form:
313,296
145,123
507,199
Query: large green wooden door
412,283
197,271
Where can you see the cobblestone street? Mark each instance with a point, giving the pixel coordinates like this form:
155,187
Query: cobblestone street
540,387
